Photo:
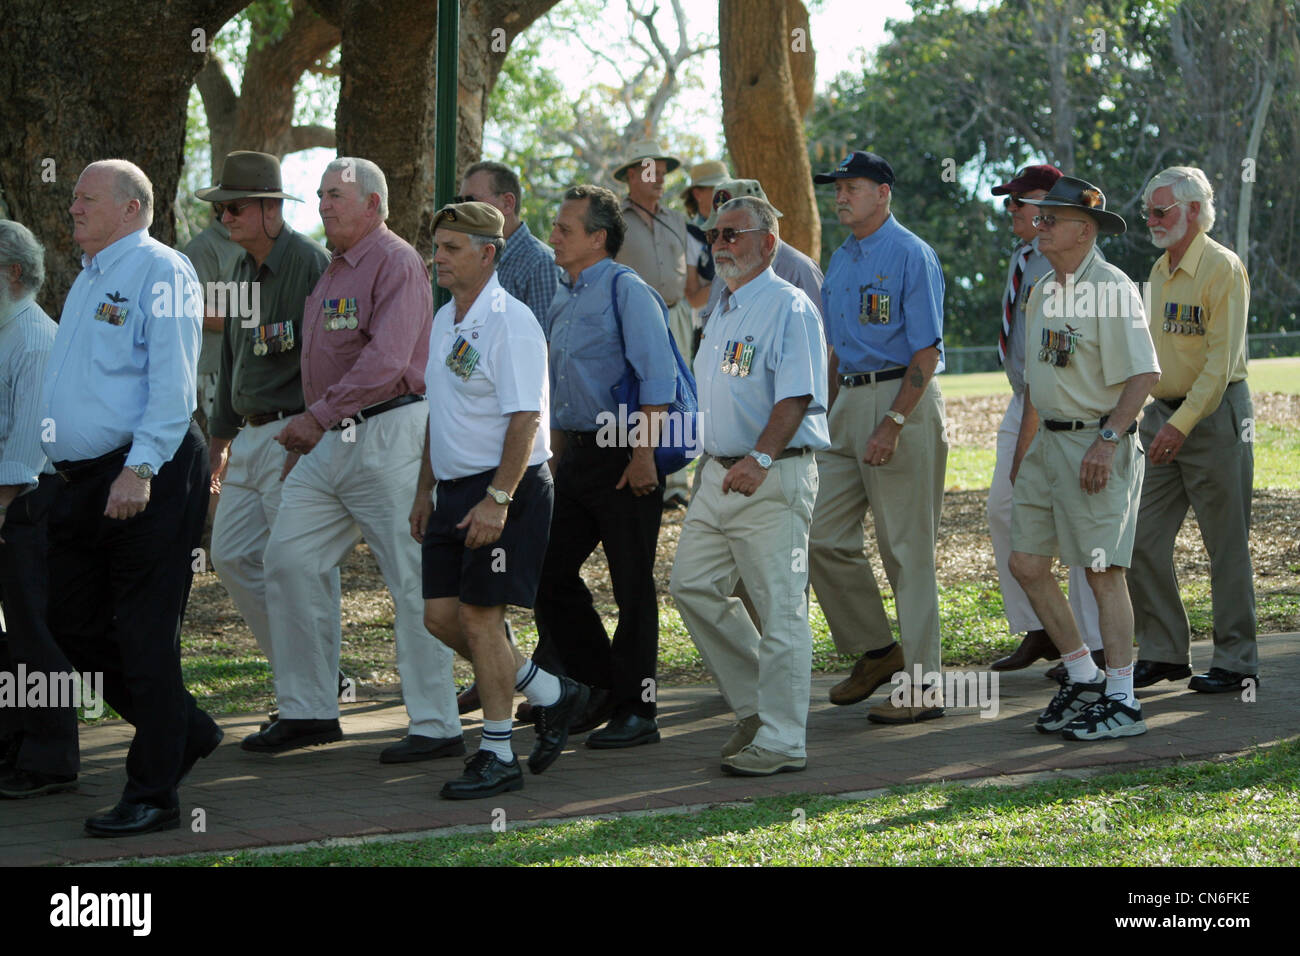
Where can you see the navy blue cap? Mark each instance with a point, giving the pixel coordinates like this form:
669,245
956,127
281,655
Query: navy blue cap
859,164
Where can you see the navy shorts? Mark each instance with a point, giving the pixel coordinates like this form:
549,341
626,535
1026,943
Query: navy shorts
504,572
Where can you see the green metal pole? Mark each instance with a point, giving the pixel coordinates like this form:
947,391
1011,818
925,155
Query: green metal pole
444,147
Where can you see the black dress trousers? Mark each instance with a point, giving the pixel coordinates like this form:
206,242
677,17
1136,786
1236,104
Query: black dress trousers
118,591
589,511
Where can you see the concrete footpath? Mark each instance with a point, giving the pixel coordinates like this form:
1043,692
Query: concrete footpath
252,800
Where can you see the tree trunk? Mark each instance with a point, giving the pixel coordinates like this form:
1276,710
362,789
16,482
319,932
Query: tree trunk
83,82
759,45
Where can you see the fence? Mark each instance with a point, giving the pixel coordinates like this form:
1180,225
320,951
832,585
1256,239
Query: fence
984,358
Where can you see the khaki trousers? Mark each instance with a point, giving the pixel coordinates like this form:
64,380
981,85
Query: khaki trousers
764,539
905,497
1213,474
681,326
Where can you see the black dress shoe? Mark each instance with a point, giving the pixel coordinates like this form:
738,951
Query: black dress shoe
1035,645
524,713
1146,673
467,700
600,707
415,747
20,784
194,756
1219,681
485,776
286,734
129,819
553,722
625,730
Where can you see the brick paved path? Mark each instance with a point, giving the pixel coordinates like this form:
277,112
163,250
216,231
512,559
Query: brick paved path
342,789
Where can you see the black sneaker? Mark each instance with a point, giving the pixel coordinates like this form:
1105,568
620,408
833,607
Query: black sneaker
485,776
553,722
1106,719
1069,702
20,784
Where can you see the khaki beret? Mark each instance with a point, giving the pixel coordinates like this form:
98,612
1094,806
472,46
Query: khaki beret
475,218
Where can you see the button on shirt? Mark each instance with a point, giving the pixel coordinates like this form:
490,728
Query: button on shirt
789,264
1200,367
527,271
26,337
468,417
588,354
1108,349
890,262
345,370
658,252
252,384
123,367
789,360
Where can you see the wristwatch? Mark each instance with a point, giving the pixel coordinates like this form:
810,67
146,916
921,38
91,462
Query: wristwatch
1110,435
499,496
143,472
896,417
764,461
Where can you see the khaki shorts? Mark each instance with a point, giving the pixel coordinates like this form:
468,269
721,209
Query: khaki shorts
1052,515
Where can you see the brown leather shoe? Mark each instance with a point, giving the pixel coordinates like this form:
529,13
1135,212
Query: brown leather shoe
1035,645
887,712
468,700
868,674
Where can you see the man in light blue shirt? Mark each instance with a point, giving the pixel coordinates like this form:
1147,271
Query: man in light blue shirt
607,490
761,377
883,303
116,404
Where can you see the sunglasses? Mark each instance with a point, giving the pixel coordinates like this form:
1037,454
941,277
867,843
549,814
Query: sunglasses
728,235
1013,202
1049,222
1159,212
235,207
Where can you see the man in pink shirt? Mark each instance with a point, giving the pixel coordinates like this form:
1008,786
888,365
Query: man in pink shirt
354,455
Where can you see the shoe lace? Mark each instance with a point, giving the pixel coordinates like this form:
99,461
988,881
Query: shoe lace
479,763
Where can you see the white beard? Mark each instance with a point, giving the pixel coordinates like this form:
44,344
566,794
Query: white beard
1173,235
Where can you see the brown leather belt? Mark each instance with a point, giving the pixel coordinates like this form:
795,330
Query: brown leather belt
271,417
788,453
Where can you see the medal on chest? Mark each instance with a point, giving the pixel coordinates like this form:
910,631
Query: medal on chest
112,314
1058,346
274,338
462,358
339,314
1184,319
737,358
873,306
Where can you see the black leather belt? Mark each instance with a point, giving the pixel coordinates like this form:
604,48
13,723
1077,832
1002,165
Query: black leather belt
581,439
1173,403
870,378
271,417
75,470
379,409
1053,425
788,453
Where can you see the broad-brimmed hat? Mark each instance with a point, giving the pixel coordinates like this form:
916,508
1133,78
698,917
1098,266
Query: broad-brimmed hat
1029,179
708,173
860,164
731,189
474,218
247,175
639,152
1071,193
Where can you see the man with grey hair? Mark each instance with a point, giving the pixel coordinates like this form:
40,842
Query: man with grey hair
354,455
118,398
761,374
1198,437
38,745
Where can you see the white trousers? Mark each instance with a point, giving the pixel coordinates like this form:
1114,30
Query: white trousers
1015,603
354,483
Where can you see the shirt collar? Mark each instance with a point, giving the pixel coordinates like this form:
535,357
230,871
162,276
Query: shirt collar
279,249
518,239
588,276
1191,259
356,253
753,287
860,247
108,257
482,307
16,308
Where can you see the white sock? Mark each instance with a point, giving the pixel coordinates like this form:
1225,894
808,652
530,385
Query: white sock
541,688
1119,681
1080,668
496,739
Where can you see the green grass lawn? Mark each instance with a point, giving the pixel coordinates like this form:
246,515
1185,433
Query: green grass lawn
1240,812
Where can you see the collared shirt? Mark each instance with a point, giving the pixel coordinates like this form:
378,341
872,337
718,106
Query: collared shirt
253,381
481,371
893,275
588,354
124,364
527,271
657,252
1036,266
26,337
215,257
382,284
1108,349
788,359
789,264
1196,367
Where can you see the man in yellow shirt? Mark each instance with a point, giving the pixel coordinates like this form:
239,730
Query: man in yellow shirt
1198,433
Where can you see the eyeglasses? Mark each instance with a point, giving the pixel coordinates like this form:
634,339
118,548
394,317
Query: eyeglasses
1013,202
235,207
728,235
1159,212
1049,222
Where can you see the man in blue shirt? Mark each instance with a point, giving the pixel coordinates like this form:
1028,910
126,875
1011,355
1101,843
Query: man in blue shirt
116,405
883,305
607,490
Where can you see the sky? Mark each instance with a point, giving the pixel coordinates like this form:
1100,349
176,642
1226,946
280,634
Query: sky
840,30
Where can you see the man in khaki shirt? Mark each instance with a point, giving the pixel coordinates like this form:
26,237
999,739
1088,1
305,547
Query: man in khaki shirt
1198,433
1078,469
